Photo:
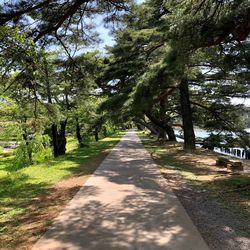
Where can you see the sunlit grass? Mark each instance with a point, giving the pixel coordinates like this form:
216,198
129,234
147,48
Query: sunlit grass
18,187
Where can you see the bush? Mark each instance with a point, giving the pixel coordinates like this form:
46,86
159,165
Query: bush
212,141
36,151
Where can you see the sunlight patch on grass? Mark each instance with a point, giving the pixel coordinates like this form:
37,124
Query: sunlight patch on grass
11,212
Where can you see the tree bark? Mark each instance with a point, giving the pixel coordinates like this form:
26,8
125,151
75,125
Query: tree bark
148,126
162,135
54,132
169,130
104,129
170,133
55,139
62,138
96,134
27,143
186,112
162,132
78,133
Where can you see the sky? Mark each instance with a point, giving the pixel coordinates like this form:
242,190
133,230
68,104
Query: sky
105,35
107,38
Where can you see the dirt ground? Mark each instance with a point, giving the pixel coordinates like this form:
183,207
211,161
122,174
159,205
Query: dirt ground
217,200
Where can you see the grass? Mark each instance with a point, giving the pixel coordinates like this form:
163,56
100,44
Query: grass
19,187
199,170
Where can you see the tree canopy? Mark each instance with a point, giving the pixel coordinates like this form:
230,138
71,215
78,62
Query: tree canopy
175,64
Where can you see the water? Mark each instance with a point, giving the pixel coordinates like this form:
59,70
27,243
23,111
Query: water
200,133
236,152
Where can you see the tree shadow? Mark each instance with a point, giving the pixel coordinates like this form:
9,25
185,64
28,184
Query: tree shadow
17,192
179,159
223,228
131,208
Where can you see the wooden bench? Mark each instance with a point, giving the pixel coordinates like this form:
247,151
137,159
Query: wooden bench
231,164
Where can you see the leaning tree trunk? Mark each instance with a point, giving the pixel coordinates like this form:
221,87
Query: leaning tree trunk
170,133
61,136
168,129
162,132
187,120
149,127
161,124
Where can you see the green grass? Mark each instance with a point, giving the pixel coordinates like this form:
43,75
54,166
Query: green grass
18,187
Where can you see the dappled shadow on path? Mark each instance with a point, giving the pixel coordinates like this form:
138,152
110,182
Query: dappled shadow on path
125,205
99,226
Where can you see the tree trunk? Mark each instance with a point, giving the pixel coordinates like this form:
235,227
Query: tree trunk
169,130
61,136
96,134
162,131
186,112
104,129
54,132
148,126
162,134
170,133
54,139
78,133
27,143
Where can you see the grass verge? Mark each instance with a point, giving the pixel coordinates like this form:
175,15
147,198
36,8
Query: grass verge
31,197
198,169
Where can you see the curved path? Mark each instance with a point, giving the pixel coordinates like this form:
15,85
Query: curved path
124,205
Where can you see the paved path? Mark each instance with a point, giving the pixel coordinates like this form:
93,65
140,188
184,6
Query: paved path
124,205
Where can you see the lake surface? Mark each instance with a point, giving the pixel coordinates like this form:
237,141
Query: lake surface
201,133
236,152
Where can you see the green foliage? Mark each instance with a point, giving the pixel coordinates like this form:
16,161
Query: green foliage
169,41
8,130
226,141
214,140
38,146
21,157
159,45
